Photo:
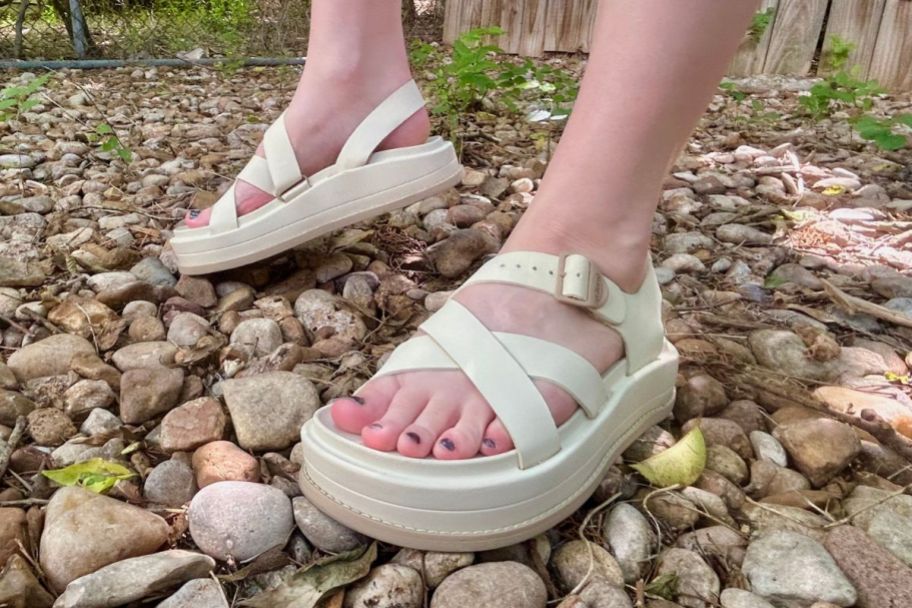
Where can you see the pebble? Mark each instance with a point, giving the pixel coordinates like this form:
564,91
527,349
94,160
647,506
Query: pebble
683,263
170,484
20,589
239,520
100,421
223,461
786,352
739,598
192,424
387,586
138,308
786,566
49,426
687,242
146,329
719,431
698,585
13,405
718,541
71,545
198,290
893,532
573,560
878,576
257,337
820,447
135,578
12,531
186,329
267,410
631,540
767,447
702,395
153,272
318,311
673,510
49,357
323,532
500,584
433,565
148,392
198,593
144,355
725,461
454,255
87,395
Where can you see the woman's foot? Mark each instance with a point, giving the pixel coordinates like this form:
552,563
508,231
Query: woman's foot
441,413
324,112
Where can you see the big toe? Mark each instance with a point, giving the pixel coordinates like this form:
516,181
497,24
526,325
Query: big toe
352,414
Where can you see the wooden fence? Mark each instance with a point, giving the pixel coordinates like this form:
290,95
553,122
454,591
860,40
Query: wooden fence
880,29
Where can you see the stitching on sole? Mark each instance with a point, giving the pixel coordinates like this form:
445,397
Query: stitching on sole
606,461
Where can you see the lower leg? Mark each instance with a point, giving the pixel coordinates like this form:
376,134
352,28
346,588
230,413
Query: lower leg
356,57
653,69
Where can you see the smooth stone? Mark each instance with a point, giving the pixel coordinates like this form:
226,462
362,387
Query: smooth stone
49,357
223,461
434,566
785,566
73,545
317,310
171,484
323,532
149,392
198,593
455,254
767,447
573,560
698,585
192,425
719,431
631,540
239,519
197,290
701,395
879,577
739,598
100,421
500,584
718,541
387,586
893,532
786,352
257,337
13,530
13,405
186,329
135,578
820,447
87,395
19,588
152,271
144,355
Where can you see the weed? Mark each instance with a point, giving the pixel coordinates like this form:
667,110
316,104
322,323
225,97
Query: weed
760,23
109,142
15,100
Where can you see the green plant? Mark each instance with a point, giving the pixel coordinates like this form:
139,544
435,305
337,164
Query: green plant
756,110
109,142
884,132
837,56
760,23
15,100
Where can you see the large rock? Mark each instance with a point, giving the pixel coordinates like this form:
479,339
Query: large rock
698,585
84,532
199,593
500,584
322,531
387,586
267,410
48,357
149,392
820,447
880,578
631,539
785,566
135,578
240,520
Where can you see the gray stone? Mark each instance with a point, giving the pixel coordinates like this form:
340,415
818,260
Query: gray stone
893,532
135,578
600,593
49,357
687,242
786,352
739,234
573,560
739,598
267,410
144,355
434,565
186,329
387,586
239,519
100,421
767,447
318,310
785,566
698,585
152,271
322,531
19,588
500,584
257,337
170,484
198,593
148,392
87,395
13,405
631,540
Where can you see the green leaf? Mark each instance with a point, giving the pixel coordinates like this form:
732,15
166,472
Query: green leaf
681,464
664,586
104,129
310,584
96,475
773,281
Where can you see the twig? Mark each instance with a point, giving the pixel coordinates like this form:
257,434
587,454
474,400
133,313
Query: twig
585,580
26,502
7,447
876,503
852,305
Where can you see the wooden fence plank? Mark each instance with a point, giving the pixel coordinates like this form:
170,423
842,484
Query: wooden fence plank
891,64
857,21
751,54
452,19
532,36
796,31
568,25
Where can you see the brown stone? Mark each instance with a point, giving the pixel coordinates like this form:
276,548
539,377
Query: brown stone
820,448
191,425
13,531
881,580
49,426
147,392
701,395
223,461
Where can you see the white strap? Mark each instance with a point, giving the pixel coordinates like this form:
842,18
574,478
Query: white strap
383,120
500,380
256,173
539,359
224,212
280,157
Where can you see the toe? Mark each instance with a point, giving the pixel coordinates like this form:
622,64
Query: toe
464,439
418,439
496,439
351,414
196,218
404,409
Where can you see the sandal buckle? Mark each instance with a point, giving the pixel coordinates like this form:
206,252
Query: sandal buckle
568,289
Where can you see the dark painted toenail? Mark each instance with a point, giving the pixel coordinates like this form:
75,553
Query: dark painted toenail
489,443
194,213
357,399
448,444
413,436
375,425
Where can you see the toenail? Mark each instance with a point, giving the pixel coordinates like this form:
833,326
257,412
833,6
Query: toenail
375,425
489,443
413,436
448,444
357,399
194,213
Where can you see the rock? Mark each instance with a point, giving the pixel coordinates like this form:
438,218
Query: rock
146,329
600,593
654,441
865,502
198,593
333,267
319,312
197,290
573,560
726,462
87,395
20,273
144,355
722,487
673,509
767,447
698,586
797,274
138,308
739,598
13,530
71,545
49,357
683,263
49,426
708,503
267,410
785,566
170,484
500,584
100,421
435,566
192,424
740,234
455,254
821,448
323,532
239,520
387,586
631,540
878,576
135,578
717,541
701,395
186,329
153,272
687,242
785,351
148,392
13,405
719,431
893,532
20,589
257,337
223,461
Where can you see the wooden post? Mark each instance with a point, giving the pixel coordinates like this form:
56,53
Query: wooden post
751,54
80,30
795,35
857,21
890,64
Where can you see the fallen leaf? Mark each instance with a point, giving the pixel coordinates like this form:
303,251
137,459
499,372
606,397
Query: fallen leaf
681,464
96,475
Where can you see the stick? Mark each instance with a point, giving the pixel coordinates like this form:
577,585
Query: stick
853,304
7,447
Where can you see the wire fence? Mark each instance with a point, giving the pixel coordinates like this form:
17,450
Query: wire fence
145,29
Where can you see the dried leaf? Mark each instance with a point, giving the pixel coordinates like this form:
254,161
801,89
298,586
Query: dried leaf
96,475
681,464
306,587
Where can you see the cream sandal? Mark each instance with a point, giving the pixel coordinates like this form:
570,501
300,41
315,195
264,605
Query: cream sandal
492,501
361,184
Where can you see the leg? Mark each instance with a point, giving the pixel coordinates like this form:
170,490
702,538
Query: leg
653,68
356,57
